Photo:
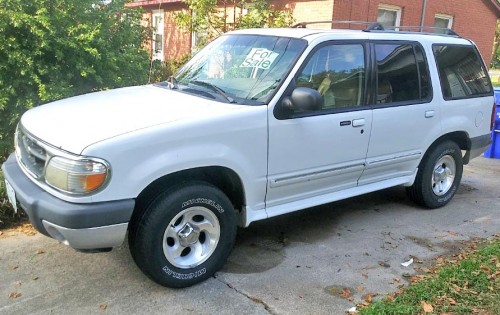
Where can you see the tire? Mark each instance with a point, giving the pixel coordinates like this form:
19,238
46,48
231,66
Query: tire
185,235
438,176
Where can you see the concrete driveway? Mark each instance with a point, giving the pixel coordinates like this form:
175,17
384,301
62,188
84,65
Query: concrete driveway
293,264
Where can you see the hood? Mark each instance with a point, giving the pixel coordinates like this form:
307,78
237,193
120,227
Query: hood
74,123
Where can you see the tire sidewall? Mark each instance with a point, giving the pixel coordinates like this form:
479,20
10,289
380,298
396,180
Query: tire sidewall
430,198
156,219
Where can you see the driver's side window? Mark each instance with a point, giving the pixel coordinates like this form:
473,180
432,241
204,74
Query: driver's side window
337,72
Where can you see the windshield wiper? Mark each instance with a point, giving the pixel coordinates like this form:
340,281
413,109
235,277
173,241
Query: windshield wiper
214,88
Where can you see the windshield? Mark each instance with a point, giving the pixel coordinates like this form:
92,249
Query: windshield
243,69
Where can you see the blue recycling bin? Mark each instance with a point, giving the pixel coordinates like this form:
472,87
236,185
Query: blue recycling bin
494,150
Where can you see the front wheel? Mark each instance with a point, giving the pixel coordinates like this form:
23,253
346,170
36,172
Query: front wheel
185,235
438,176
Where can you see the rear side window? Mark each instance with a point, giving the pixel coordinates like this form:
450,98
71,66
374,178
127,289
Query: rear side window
402,73
461,72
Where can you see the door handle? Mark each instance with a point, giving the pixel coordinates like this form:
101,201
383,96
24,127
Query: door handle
358,122
429,114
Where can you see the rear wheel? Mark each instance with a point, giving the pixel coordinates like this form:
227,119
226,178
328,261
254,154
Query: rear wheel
438,176
185,235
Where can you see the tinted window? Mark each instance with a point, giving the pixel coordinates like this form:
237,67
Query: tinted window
399,77
337,72
461,72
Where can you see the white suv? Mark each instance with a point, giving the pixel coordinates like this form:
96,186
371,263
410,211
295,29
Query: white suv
259,123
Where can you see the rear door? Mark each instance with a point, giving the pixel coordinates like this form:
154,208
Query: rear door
405,120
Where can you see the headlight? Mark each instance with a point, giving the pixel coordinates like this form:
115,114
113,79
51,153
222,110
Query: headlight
76,176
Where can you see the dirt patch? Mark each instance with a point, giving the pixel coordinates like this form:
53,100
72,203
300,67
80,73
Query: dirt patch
422,242
464,189
255,254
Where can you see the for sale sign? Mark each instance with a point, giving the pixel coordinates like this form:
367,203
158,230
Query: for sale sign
259,58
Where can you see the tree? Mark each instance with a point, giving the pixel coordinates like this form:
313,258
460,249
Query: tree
208,18
51,49
263,15
495,63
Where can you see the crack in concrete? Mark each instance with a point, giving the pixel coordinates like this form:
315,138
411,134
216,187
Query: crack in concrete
254,299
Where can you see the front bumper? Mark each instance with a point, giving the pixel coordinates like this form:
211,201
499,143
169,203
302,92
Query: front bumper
79,225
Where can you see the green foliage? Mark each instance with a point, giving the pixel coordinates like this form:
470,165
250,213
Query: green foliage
495,62
161,71
262,14
51,49
205,19
202,17
7,215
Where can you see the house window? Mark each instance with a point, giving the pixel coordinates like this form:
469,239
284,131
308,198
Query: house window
158,31
443,21
200,37
389,16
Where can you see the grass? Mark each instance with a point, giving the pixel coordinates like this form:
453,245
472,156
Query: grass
468,283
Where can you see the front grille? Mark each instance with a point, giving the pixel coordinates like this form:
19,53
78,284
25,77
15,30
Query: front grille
30,153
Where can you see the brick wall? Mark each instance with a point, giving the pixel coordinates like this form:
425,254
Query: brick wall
474,19
177,42
312,10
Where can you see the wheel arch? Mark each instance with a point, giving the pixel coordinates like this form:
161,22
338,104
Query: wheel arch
461,138
225,179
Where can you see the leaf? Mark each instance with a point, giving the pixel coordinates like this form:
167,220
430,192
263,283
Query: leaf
368,298
426,307
14,295
346,294
384,264
360,289
485,268
103,306
39,252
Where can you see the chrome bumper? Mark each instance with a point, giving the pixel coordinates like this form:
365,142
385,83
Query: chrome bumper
89,238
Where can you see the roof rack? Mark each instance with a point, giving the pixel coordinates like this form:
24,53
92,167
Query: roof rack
423,29
376,26
370,25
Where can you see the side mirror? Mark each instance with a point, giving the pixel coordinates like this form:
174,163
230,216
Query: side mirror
302,99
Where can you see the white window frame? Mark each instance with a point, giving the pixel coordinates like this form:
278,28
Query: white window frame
196,37
392,8
158,53
444,17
